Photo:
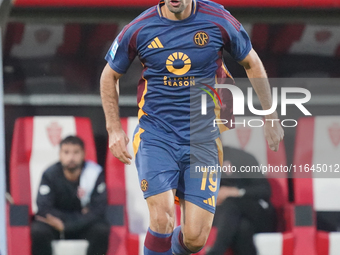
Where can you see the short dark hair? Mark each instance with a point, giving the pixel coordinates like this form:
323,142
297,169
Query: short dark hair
72,140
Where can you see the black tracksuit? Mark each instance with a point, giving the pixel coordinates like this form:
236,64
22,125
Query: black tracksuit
59,197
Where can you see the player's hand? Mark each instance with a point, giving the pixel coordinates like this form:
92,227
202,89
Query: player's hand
118,141
273,133
52,221
226,192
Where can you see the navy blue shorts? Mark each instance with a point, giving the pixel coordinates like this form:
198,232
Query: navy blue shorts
163,166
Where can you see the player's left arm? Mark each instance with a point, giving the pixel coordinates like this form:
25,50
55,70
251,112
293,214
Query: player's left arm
259,80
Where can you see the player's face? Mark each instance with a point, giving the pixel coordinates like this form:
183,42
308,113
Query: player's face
71,156
177,6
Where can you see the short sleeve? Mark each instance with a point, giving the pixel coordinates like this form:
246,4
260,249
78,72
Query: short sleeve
240,44
123,50
236,39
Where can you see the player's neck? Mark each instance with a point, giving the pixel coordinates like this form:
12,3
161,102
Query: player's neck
176,16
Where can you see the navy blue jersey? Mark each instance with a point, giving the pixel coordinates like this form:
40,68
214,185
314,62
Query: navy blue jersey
180,58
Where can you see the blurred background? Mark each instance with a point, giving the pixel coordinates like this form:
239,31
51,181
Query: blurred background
53,58
53,54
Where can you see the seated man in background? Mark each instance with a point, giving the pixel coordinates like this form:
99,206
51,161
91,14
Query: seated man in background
244,206
71,202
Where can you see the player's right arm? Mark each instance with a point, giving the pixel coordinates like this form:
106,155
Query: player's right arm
119,57
109,91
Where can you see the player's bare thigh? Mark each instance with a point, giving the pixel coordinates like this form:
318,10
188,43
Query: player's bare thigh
162,211
196,224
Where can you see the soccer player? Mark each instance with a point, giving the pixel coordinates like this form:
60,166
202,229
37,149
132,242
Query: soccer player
179,42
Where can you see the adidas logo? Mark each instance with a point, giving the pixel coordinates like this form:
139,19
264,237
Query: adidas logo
210,201
156,43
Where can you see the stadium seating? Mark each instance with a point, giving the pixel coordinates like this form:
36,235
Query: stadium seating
252,140
317,142
124,191
35,146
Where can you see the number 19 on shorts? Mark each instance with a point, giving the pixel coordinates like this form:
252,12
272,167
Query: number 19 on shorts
209,181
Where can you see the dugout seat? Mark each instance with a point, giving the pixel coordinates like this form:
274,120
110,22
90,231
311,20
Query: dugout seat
317,142
252,140
35,146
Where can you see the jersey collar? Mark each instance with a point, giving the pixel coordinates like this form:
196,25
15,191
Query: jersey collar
161,3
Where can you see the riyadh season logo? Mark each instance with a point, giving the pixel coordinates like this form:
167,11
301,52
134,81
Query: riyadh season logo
239,104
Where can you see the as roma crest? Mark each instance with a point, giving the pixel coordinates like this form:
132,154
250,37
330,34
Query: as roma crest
201,38
144,185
